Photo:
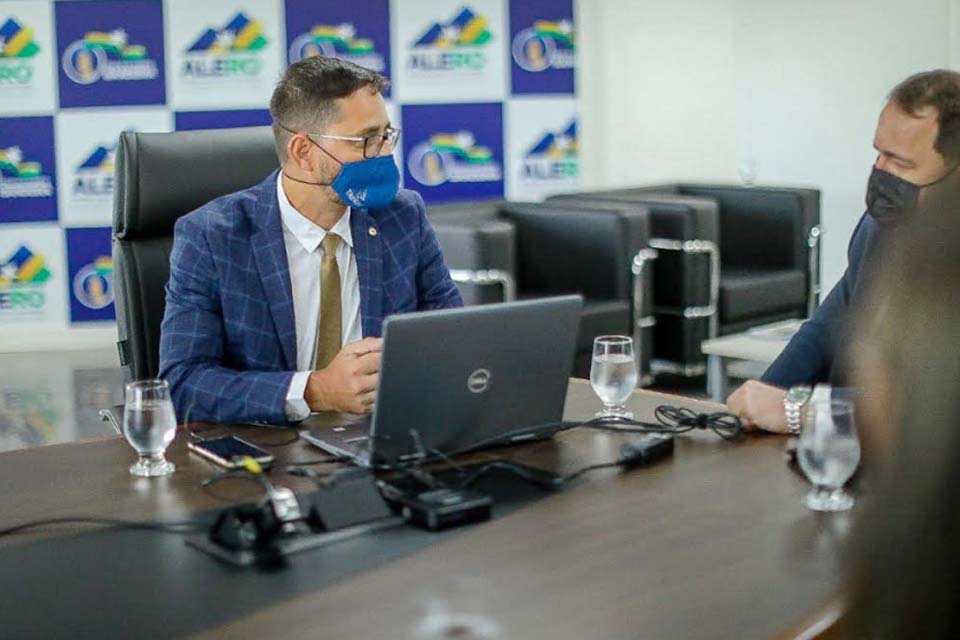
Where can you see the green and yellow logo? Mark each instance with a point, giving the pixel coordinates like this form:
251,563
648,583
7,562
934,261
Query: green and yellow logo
457,45
452,157
337,41
17,47
21,178
230,51
22,279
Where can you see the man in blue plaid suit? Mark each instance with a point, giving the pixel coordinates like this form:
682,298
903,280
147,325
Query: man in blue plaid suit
277,293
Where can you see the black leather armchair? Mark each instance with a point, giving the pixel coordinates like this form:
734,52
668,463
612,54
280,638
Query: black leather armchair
686,277
160,177
496,250
769,251
480,249
732,257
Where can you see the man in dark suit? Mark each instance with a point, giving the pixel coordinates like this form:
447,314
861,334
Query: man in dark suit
918,146
277,293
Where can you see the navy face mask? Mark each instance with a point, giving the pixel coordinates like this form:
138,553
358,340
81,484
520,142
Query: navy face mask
371,183
890,198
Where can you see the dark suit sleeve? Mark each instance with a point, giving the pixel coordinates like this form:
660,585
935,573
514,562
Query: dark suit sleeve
191,344
809,356
435,288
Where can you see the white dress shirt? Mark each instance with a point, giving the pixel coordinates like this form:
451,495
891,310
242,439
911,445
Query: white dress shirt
302,239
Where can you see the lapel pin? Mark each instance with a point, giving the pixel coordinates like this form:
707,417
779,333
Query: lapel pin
372,231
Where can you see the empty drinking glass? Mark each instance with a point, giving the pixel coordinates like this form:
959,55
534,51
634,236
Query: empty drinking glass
828,452
613,374
149,425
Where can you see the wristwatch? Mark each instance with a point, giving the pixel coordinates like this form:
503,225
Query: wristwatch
793,403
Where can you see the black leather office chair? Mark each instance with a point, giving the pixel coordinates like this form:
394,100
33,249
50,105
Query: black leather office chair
160,177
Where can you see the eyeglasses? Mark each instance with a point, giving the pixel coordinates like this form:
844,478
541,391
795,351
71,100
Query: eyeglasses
372,145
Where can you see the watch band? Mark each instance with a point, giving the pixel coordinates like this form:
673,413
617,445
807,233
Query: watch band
793,403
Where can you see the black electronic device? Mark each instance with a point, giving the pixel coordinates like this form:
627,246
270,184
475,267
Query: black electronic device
476,393
645,449
438,507
229,451
261,526
282,524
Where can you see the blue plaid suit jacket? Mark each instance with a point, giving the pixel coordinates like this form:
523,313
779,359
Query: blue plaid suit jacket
228,337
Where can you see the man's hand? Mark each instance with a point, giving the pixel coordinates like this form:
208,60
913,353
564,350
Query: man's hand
349,383
759,406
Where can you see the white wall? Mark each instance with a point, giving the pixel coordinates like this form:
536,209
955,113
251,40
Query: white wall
701,86
657,89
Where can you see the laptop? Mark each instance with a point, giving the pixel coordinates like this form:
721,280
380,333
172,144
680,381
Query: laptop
461,379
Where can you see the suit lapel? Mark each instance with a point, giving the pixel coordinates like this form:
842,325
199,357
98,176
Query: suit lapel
368,251
270,255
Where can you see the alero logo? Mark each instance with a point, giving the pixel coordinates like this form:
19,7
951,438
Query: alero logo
230,51
107,56
553,156
17,47
93,178
452,157
457,45
20,178
93,284
23,276
337,41
545,45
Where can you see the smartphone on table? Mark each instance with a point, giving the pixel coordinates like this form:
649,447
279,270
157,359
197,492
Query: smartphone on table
229,451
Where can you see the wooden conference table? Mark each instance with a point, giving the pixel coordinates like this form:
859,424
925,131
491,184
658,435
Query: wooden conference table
710,543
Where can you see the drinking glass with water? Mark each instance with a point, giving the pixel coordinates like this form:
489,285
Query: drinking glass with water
613,374
149,425
828,452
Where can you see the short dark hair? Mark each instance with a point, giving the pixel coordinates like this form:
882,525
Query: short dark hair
304,98
940,89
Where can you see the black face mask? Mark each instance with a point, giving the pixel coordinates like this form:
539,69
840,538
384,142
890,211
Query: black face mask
890,198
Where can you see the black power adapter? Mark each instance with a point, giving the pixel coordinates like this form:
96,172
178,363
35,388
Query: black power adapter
437,508
645,449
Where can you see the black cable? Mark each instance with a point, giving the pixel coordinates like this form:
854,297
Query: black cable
196,435
240,474
546,481
307,463
323,479
724,424
271,445
671,420
570,477
178,528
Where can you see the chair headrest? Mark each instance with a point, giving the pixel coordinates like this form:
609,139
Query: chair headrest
162,176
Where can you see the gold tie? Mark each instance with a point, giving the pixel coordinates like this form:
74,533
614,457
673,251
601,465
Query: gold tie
329,332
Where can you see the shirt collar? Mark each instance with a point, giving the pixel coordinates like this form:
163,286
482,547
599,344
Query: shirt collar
306,232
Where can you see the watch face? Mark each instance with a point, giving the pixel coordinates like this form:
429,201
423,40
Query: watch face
798,395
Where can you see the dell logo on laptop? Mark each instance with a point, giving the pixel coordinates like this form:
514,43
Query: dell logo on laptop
479,380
